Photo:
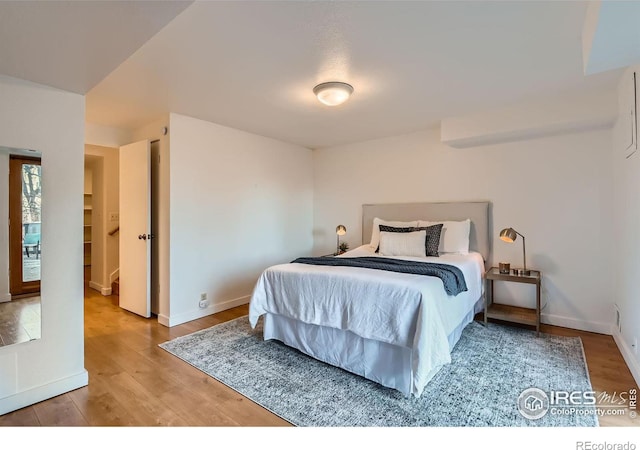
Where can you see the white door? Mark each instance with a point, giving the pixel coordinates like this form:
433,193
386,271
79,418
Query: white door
135,228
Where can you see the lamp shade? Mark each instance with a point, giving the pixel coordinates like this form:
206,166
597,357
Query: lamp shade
508,235
341,230
333,93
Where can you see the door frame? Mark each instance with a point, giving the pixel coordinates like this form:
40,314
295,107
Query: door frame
17,287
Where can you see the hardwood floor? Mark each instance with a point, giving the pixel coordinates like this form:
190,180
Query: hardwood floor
607,370
133,382
20,320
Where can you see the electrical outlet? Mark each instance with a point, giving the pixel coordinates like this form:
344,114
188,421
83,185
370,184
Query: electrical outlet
203,296
114,217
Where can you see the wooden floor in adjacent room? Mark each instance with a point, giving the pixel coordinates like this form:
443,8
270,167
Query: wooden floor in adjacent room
133,382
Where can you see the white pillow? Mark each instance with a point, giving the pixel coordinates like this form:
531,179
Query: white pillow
403,244
454,237
375,232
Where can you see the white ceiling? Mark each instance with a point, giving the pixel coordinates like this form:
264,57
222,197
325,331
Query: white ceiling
252,65
611,35
73,45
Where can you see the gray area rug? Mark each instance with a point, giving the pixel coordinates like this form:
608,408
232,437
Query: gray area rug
490,368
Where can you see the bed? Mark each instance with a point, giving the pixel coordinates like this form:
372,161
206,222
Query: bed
392,327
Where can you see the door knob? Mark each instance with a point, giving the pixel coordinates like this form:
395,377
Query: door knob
142,236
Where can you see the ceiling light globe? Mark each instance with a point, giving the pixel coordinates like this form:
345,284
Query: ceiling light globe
333,93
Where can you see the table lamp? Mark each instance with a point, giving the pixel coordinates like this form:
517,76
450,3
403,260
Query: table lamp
510,235
341,230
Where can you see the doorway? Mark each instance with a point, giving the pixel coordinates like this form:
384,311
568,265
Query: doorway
88,226
25,203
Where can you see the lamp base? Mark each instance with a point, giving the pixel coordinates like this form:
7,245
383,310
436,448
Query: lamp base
523,272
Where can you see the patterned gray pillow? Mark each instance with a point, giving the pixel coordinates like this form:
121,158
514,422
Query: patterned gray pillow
432,242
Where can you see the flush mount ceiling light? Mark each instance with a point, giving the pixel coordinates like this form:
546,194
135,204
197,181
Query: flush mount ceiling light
333,93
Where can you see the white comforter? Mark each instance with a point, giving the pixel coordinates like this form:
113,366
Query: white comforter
407,310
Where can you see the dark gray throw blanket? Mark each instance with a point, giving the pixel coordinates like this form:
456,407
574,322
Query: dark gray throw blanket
451,276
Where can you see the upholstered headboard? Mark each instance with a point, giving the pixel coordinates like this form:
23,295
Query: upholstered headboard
478,212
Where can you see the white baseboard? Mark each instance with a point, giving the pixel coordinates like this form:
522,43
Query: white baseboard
45,392
627,354
163,320
114,275
576,324
100,288
5,297
178,319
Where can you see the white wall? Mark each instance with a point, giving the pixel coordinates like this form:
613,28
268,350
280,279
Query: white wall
626,218
51,121
5,296
554,190
239,203
105,136
545,116
88,179
106,187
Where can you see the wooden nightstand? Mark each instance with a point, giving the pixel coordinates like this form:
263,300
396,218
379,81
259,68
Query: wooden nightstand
508,313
